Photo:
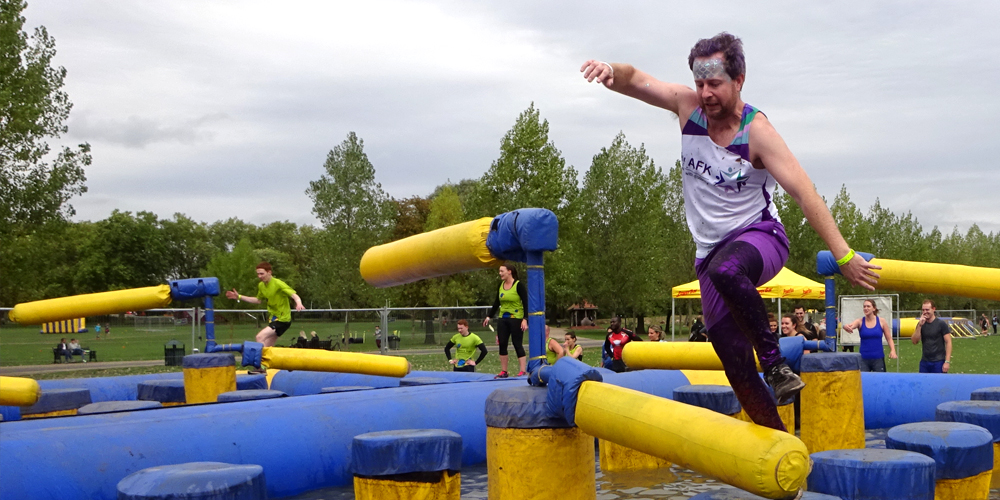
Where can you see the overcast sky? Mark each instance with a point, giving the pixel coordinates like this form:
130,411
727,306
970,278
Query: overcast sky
228,109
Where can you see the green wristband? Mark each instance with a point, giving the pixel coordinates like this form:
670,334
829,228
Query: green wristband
845,259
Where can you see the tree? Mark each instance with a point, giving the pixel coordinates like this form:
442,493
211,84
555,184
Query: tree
626,228
530,173
33,109
356,214
235,269
123,251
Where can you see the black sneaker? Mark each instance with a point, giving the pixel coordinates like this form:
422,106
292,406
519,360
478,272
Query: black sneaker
502,375
257,371
784,381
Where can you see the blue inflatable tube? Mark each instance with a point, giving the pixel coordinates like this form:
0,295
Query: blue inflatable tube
893,399
303,383
84,457
124,388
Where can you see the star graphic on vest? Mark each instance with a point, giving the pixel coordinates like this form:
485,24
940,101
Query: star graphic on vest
731,179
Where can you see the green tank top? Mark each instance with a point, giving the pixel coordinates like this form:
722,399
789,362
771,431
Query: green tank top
510,302
550,355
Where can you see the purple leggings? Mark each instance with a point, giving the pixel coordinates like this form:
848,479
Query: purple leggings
736,317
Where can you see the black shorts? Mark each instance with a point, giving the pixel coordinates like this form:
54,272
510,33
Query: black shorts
279,327
464,368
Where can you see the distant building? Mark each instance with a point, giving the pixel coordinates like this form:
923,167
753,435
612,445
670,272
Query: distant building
584,315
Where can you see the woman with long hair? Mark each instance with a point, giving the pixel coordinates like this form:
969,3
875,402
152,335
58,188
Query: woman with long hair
510,304
872,328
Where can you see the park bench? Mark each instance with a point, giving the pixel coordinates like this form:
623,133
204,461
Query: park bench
58,357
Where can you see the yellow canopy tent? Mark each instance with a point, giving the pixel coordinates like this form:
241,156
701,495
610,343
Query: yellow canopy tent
786,285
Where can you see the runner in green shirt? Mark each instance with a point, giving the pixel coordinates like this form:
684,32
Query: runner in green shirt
276,293
467,344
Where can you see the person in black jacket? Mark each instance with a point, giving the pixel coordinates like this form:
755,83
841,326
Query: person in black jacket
510,304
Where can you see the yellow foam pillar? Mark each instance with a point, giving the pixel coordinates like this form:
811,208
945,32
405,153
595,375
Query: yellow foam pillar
284,358
91,304
944,279
760,460
411,464
995,481
672,356
207,375
832,409
18,391
618,458
532,456
441,252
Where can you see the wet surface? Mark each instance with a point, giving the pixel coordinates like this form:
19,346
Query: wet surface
674,483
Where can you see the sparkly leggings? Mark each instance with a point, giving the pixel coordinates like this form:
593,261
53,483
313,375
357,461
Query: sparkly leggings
737,318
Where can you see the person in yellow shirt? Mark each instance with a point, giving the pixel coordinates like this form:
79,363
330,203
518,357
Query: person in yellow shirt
276,293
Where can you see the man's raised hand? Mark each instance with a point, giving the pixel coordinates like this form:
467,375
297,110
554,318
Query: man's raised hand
860,272
598,70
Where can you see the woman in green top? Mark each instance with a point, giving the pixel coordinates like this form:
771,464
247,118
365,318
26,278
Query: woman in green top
510,304
276,293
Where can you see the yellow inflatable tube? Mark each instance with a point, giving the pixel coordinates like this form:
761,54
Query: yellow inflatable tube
17,391
441,252
672,356
318,360
763,461
92,304
944,279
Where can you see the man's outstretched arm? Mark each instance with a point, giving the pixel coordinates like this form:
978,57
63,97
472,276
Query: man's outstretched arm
770,149
626,79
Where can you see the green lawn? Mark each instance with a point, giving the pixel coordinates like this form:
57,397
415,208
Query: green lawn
23,345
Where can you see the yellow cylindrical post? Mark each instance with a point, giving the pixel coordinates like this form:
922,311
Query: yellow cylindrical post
284,358
672,356
944,279
962,453
207,375
995,481
832,409
409,464
763,461
91,304
532,456
618,458
18,391
441,252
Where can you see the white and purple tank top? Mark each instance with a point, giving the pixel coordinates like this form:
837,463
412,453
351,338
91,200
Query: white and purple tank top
723,192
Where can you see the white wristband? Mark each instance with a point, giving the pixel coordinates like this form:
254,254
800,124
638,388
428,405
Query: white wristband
609,67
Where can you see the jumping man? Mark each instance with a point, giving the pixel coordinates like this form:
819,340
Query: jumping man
276,293
731,158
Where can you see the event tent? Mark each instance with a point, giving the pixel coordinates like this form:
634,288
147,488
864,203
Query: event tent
786,285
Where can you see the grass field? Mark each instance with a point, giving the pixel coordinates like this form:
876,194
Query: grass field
25,346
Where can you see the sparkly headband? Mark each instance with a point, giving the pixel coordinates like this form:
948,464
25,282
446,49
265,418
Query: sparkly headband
709,68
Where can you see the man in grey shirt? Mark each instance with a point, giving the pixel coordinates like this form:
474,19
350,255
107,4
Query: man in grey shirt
936,337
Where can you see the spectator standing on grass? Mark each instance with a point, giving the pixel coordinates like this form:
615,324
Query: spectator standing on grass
655,333
510,304
615,342
800,313
985,325
994,324
934,335
872,328
698,331
378,337
467,343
